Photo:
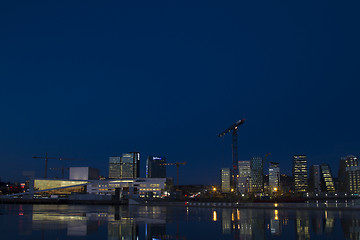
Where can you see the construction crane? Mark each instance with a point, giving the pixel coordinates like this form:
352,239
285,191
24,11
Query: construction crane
234,129
177,164
62,170
47,158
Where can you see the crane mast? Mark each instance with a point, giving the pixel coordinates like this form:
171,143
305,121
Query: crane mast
233,128
47,159
177,164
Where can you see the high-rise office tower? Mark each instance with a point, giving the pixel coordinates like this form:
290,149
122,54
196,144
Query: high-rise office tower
225,180
257,176
314,179
115,167
300,173
126,166
243,185
155,167
327,181
349,175
130,165
274,177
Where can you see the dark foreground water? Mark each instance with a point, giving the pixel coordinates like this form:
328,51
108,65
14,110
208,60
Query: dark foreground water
132,222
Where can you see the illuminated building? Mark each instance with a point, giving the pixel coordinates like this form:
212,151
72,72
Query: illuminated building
115,167
127,166
130,165
327,181
256,176
142,187
244,176
314,179
349,175
57,186
225,180
155,167
274,177
300,173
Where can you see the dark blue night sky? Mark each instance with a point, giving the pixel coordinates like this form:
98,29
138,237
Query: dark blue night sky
93,79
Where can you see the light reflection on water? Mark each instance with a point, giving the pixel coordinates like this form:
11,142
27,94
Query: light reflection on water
154,222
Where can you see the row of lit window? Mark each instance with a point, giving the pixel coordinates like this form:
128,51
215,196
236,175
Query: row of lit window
150,189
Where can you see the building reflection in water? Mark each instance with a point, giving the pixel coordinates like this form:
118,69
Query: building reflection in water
214,216
226,221
275,225
323,222
351,226
302,225
317,222
243,224
124,229
150,222
120,224
329,222
155,231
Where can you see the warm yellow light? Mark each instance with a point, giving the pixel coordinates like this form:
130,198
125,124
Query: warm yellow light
275,189
232,190
214,216
214,189
276,215
275,204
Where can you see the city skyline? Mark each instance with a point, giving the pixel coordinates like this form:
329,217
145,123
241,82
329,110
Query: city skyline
93,80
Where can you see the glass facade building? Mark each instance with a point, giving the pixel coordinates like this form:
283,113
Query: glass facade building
257,176
225,180
243,185
300,173
349,175
115,167
125,167
274,177
155,167
130,165
327,181
314,179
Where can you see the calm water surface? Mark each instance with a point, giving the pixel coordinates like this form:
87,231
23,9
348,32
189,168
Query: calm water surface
141,222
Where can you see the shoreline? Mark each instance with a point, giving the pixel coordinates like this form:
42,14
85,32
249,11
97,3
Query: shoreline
243,205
